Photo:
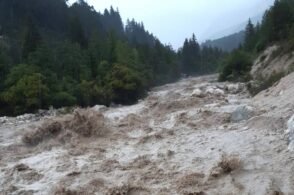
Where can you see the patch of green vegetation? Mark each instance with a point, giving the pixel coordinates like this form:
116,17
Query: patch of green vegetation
262,58
74,56
236,67
264,83
277,27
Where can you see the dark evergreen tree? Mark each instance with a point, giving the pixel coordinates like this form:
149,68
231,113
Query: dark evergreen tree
137,34
77,34
32,39
113,22
191,56
277,26
249,42
73,55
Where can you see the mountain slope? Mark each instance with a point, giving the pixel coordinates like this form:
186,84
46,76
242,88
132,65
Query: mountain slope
52,54
227,43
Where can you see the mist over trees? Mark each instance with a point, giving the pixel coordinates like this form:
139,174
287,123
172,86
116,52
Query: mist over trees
227,43
52,54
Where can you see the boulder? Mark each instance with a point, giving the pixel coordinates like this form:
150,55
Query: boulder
241,113
290,132
198,93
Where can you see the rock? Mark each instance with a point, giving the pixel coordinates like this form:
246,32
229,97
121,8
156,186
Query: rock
198,93
42,113
235,88
99,108
26,117
290,132
219,92
210,90
241,113
21,167
216,172
3,120
214,91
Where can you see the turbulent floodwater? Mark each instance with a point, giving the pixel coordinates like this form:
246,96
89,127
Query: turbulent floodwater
196,136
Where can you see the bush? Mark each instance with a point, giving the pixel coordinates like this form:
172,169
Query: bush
126,84
262,83
262,58
236,67
260,46
29,93
64,99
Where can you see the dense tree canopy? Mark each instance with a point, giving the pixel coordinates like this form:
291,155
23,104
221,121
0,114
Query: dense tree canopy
52,54
196,60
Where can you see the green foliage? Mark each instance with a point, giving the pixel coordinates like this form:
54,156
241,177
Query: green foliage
17,72
263,83
77,34
126,55
32,39
236,67
260,45
277,26
126,84
277,22
87,92
71,61
136,33
191,56
56,55
196,60
64,99
250,37
27,94
5,62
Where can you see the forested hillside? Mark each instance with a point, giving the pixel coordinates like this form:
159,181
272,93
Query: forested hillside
199,60
277,27
52,54
227,43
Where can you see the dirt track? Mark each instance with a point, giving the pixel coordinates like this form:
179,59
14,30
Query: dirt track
181,139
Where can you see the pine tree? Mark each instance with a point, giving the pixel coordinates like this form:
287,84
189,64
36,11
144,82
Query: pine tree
32,39
191,56
77,34
249,36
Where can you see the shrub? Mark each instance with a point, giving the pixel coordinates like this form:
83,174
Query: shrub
262,83
126,84
29,93
236,67
64,99
262,58
260,46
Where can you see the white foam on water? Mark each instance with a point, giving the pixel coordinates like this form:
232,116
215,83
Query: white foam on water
121,112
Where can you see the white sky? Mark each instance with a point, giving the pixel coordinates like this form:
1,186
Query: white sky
174,20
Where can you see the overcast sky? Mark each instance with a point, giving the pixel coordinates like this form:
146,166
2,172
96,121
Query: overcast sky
174,20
